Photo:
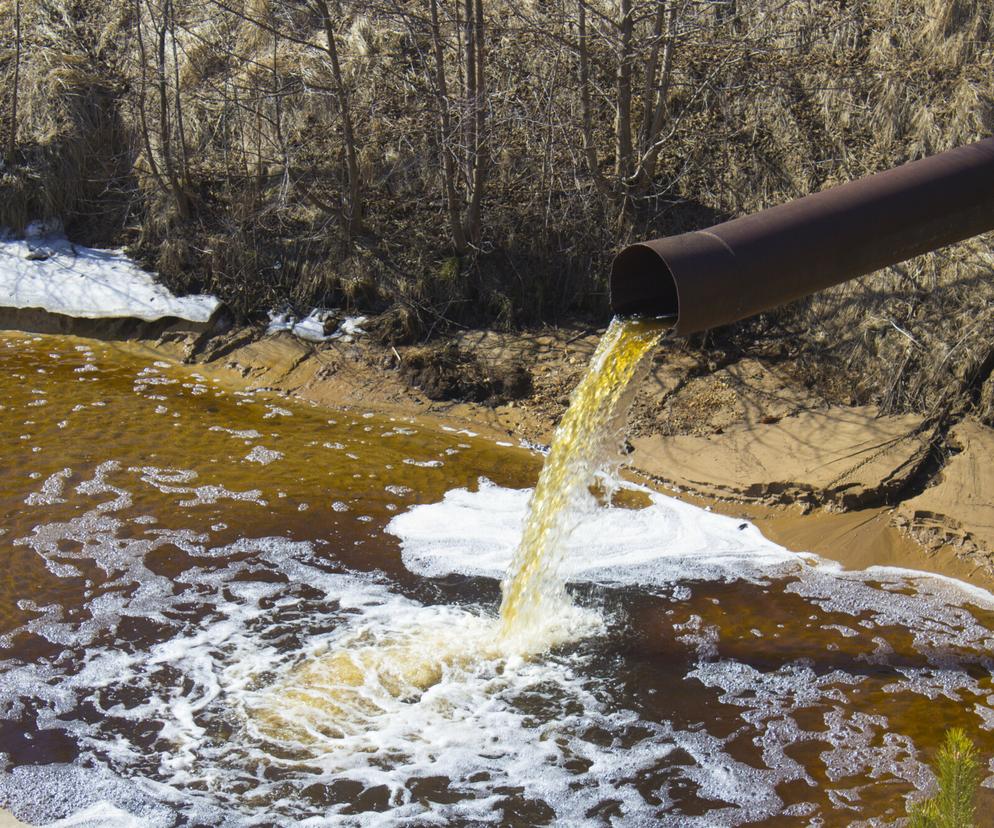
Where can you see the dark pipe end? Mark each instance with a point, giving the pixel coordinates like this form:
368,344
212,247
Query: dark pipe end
641,283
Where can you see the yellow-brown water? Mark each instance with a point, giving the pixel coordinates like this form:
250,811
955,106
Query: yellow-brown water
193,578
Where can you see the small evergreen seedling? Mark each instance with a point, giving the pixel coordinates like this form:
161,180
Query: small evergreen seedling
958,772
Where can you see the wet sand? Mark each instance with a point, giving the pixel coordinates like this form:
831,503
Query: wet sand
857,540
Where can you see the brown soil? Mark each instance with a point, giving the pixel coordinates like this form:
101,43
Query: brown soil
856,539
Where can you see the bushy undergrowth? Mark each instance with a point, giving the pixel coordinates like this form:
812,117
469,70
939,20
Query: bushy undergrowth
479,162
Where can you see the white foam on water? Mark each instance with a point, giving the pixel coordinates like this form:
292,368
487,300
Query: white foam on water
242,434
275,411
474,725
171,481
51,490
399,430
172,727
476,532
92,798
263,455
105,814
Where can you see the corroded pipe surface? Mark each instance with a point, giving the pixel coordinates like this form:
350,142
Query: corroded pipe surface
736,269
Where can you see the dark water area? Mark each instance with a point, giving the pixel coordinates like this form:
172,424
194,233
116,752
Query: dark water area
179,558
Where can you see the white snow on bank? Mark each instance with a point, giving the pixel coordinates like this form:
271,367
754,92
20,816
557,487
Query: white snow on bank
61,277
312,326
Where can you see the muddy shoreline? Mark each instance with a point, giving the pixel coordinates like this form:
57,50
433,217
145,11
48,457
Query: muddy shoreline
742,439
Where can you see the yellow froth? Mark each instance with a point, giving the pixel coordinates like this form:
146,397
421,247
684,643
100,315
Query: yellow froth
344,690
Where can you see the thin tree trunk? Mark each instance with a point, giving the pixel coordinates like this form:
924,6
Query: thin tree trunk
651,145
461,74
354,215
12,133
260,173
651,65
278,118
180,130
623,118
474,226
165,138
587,118
469,121
445,136
142,98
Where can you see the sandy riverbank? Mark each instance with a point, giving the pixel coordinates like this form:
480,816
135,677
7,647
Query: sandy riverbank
741,438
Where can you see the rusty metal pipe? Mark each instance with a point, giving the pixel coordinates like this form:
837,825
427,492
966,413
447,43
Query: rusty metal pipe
733,270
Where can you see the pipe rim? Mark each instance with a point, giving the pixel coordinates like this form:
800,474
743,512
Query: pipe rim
636,267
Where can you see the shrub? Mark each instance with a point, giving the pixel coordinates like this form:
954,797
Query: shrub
958,772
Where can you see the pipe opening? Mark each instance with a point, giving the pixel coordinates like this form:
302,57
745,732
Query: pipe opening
641,283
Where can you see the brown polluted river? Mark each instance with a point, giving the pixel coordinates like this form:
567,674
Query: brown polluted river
221,607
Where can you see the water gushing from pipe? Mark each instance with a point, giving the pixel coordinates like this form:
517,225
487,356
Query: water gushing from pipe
535,606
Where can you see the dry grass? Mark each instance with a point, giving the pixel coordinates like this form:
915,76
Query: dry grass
769,104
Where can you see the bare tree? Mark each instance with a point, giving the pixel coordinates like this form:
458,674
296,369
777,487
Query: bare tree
141,102
477,158
354,204
467,41
353,211
636,145
15,84
443,104
174,170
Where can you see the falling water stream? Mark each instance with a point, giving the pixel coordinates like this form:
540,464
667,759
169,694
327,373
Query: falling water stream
330,695
536,609
221,607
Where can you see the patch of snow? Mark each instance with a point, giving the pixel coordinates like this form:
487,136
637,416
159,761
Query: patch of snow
350,327
312,327
44,229
49,272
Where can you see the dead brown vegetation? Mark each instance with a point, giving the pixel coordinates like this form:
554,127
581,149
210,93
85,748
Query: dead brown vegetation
446,372
478,162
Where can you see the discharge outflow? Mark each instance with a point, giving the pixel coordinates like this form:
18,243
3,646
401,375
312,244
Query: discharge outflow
348,689
535,605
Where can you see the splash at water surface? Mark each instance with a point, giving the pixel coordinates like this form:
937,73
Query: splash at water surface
339,692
